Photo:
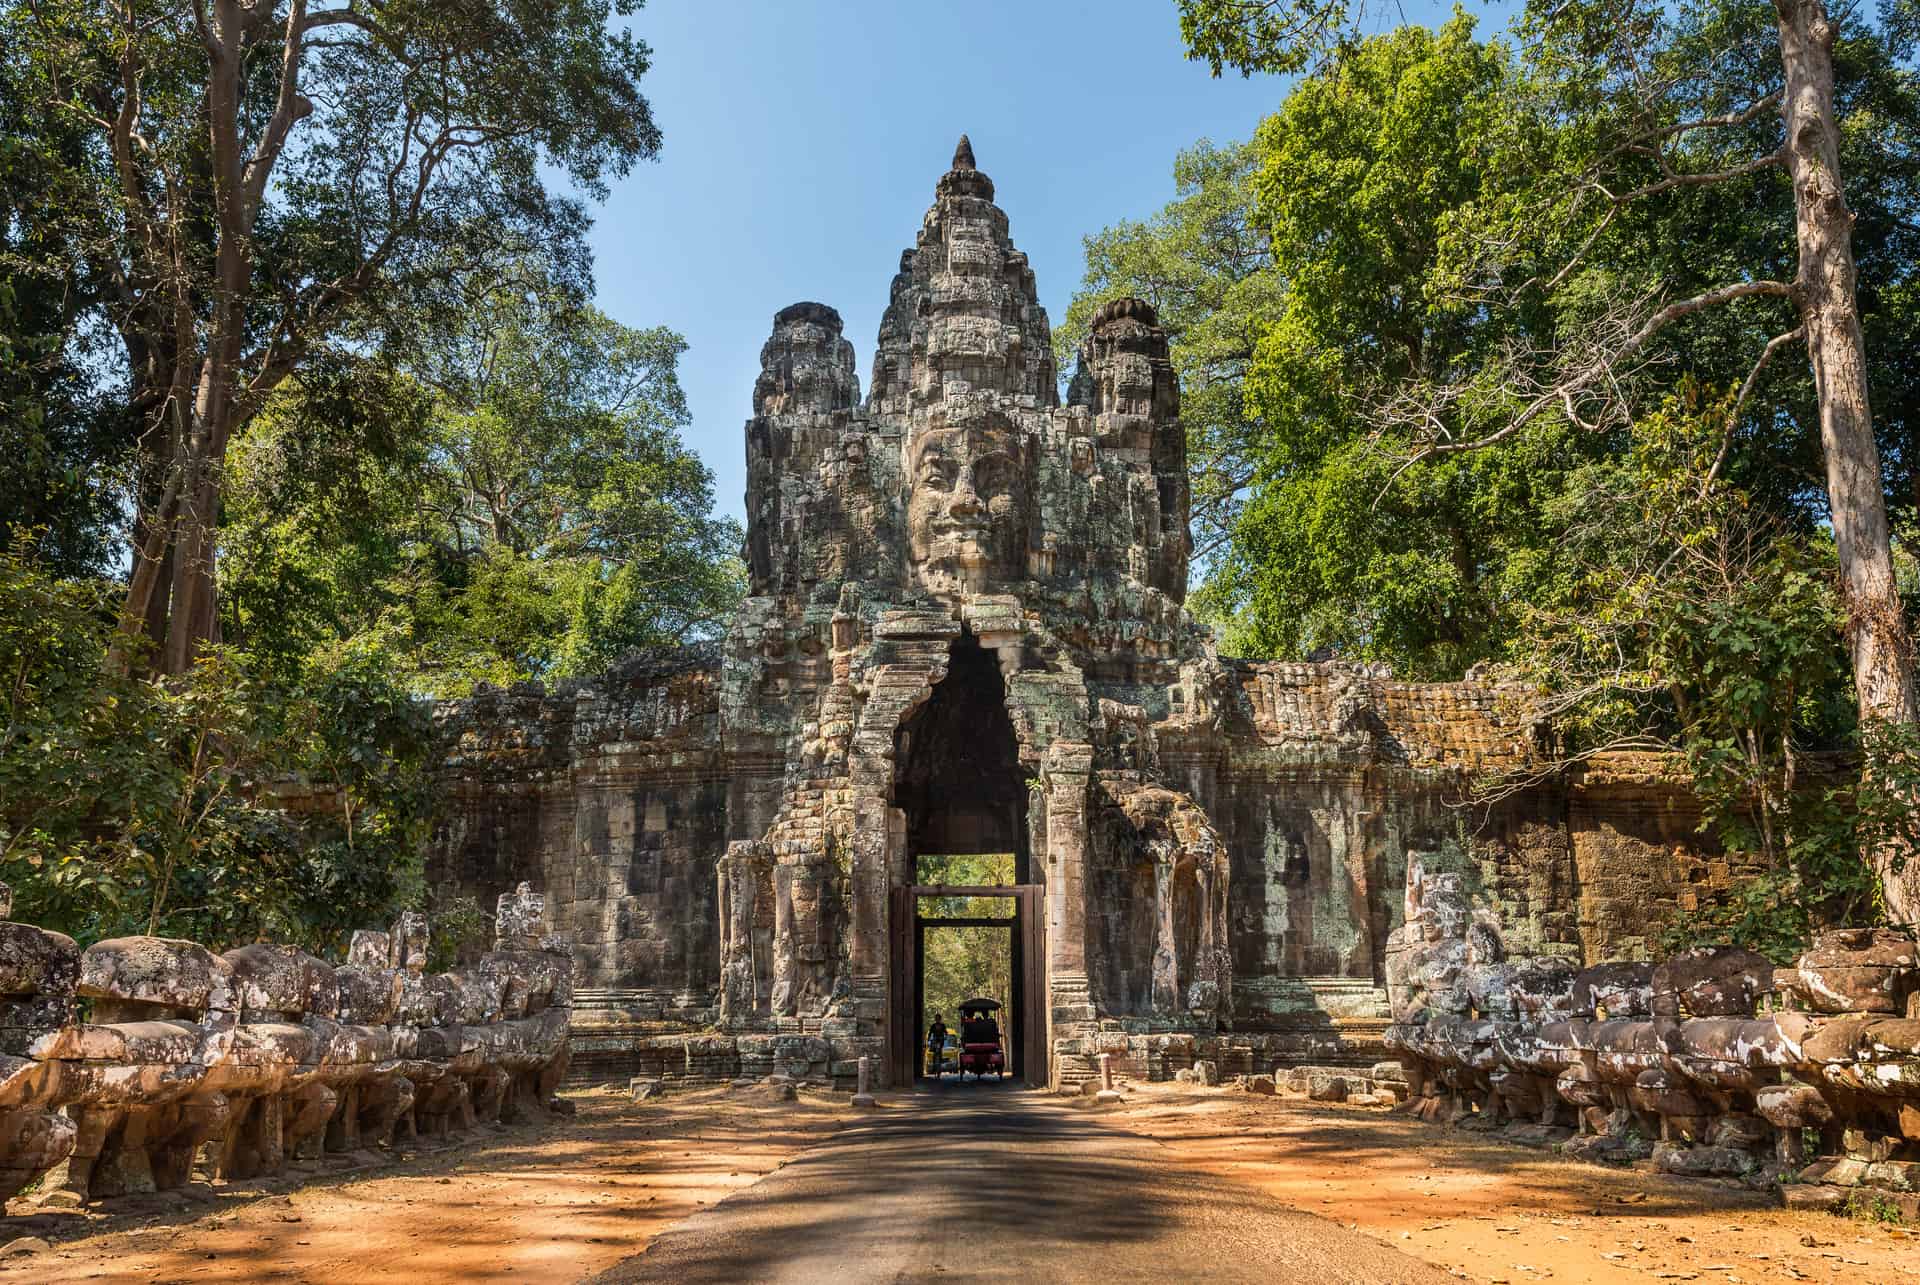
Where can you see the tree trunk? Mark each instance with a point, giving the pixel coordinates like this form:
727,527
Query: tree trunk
170,598
1876,630
171,594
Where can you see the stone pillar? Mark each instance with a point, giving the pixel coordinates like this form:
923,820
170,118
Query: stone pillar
863,1096
786,998
1166,951
1069,767
1069,994
1107,1092
872,772
739,889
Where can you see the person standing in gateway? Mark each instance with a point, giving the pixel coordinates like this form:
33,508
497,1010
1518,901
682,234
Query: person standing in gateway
936,1041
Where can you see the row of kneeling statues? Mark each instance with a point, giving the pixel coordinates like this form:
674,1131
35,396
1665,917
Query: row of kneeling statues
1712,1062
127,1065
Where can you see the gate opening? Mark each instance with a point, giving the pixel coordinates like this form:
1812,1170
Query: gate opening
957,777
969,905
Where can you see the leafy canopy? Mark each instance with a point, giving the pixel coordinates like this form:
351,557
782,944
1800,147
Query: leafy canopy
510,499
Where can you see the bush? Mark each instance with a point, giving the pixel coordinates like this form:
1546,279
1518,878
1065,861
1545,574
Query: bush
221,805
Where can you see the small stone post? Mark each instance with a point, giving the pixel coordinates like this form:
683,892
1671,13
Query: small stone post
1107,1092
864,1096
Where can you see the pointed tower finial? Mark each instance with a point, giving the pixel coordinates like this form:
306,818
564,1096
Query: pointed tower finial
963,155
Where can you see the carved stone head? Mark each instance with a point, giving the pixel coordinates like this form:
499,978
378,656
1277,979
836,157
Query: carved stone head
967,502
806,366
1126,375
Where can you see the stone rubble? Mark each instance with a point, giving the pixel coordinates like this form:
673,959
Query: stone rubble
130,1065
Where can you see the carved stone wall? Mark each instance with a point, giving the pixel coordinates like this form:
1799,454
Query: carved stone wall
137,1063
1712,1062
613,798
965,629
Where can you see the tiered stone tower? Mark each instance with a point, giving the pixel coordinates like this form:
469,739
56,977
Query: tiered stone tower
963,527
965,634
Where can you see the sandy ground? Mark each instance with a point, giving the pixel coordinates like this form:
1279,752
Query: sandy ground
556,1202
1491,1211
570,1198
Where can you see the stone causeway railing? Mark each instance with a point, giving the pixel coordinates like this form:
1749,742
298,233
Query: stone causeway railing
1713,1062
127,1065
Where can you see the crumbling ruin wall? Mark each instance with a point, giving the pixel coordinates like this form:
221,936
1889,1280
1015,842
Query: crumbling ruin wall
134,1064
612,796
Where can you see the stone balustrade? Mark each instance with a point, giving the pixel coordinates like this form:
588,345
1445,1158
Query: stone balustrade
126,1066
1712,1062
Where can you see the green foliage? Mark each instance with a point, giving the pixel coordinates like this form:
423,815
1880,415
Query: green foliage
979,870
1304,280
212,197
65,450
462,932
223,806
429,135
508,498
1652,552
1872,1207
959,964
1264,35
1439,245
1698,620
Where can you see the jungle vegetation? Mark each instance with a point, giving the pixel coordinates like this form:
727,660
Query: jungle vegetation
1540,355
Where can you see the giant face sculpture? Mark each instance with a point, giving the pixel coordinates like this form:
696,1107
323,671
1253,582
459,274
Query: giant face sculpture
967,505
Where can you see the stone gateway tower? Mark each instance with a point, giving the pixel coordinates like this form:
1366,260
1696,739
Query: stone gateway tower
965,634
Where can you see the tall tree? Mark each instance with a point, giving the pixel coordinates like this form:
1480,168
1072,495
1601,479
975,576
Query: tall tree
65,447
510,499
1640,79
256,176
1302,276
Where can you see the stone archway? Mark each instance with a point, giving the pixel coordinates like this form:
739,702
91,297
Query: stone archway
957,786
957,778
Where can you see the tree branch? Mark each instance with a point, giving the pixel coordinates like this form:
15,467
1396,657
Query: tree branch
290,106
1733,416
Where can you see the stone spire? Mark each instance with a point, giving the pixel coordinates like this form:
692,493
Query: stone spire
964,314
964,177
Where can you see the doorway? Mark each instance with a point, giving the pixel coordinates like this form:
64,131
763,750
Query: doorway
957,778
994,914
960,795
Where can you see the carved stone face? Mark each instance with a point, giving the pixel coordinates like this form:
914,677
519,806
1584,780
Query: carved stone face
1124,367
966,506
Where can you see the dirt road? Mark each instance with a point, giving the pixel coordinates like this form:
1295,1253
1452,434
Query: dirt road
1490,1211
978,1183
1181,1182
553,1204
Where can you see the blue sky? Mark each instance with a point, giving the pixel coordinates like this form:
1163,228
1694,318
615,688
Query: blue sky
803,139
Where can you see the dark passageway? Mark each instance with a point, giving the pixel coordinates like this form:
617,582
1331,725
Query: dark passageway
957,774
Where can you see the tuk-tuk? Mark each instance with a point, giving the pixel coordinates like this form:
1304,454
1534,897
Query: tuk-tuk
981,1047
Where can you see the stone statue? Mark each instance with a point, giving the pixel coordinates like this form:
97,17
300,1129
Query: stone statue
740,874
